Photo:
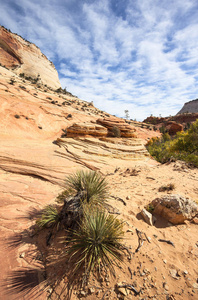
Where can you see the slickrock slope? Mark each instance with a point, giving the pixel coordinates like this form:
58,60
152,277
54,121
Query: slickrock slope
36,154
24,57
189,107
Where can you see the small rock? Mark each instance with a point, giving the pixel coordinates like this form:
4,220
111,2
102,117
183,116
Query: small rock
195,285
148,217
123,291
22,255
165,286
185,272
173,273
91,290
195,220
165,261
83,293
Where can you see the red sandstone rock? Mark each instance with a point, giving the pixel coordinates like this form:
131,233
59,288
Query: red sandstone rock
174,127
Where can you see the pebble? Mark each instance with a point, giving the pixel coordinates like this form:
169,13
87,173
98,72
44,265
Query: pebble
165,261
166,287
195,285
22,255
82,293
185,272
91,290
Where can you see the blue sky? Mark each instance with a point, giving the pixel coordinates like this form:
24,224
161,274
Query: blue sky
135,55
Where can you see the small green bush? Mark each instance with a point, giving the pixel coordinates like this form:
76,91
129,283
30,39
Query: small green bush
91,185
115,131
96,243
49,217
168,187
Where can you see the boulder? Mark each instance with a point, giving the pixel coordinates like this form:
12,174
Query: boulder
175,208
126,130
174,127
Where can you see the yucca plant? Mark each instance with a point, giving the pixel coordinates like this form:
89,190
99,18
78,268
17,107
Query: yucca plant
91,186
49,217
96,243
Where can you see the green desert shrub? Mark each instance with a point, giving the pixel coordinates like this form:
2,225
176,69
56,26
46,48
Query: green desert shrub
50,217
168,187
90,184
96,243
184,146
82,189
115,131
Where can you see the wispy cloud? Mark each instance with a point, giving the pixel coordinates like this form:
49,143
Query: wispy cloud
135,55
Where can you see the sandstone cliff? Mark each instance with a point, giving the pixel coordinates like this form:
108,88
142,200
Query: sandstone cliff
189,107
23,57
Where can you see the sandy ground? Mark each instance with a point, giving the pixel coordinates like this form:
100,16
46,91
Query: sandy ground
158,270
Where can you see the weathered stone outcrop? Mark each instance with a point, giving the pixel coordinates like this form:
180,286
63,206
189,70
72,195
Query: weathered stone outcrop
175,208
83,129
189,107
24,57
173,127
126,130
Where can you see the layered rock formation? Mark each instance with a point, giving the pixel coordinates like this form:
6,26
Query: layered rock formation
23,57
125,129
84,129
189,107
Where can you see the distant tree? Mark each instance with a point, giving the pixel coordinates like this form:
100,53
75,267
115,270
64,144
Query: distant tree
127,114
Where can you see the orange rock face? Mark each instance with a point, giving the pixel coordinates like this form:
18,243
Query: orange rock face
126,130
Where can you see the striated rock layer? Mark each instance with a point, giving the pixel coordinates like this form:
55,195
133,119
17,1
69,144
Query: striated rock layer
82,129
126,130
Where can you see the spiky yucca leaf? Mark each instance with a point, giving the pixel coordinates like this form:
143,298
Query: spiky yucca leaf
49,217
93,185
98,241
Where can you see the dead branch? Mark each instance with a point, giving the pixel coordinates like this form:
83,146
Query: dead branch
119,199
140,239
130,272
130,287
167,241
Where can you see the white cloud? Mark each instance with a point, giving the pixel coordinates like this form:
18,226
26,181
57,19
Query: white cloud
142,57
